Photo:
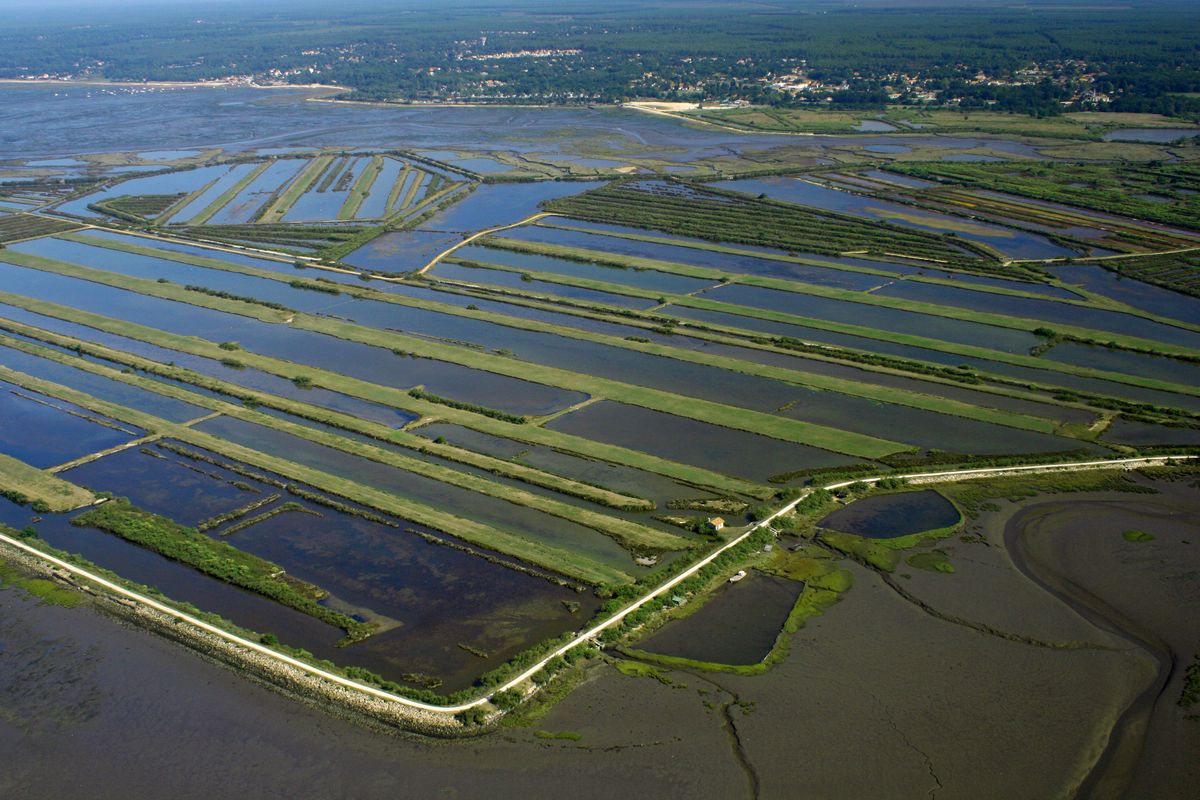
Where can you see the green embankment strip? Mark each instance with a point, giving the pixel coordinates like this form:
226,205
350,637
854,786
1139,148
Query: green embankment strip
855,388
506,468
411,195
1018,359
361,188
226,198
428,203
833,439
181,203
394,192
36,484
630,534
299,186
218,559
397,398
552,558
850,295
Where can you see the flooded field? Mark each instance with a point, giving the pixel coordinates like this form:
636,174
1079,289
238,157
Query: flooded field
738,624
893,515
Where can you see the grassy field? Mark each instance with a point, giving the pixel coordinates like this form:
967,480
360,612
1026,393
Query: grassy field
18,479
17,227
708,213
1079,125
1166,193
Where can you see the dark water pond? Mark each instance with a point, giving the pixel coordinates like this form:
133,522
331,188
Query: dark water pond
440,596
202,201
738,625
924,429
1123,431
43,432
165,486
175,410
627,480
888,516
99,387
170,183
640,278
1151,135
513,280
241,208
1167,369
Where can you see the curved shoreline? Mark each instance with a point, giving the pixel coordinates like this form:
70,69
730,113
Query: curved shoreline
1110,774
331,684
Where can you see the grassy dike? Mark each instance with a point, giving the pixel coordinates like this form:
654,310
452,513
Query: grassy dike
18,479
929,402
833,439
553,558
397,398
631,535
849,295
361,188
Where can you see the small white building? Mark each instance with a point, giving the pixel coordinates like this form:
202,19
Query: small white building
716,523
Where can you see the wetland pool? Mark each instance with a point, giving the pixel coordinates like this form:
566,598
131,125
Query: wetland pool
889,516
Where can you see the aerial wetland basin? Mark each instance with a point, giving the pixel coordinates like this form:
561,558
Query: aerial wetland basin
446,433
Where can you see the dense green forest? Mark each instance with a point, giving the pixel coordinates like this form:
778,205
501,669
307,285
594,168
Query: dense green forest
1142,56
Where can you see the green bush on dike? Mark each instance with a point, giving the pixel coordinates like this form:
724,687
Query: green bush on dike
507,700
215,558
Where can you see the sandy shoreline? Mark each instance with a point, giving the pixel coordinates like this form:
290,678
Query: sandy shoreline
68,82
